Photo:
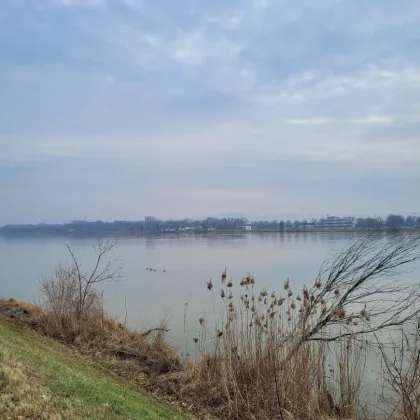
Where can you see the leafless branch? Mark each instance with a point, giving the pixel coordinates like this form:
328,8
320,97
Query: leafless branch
103,271
361,290
401,373
148,332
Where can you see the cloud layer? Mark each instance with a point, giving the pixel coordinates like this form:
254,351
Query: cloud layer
121,108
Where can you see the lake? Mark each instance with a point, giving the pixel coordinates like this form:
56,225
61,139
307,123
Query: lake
189,261
144,296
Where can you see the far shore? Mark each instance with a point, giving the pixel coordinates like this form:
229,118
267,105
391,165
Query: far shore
199,232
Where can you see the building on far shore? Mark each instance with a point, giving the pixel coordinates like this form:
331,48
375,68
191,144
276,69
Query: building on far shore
246,228
333,222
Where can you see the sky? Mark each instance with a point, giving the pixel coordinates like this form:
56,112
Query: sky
119,109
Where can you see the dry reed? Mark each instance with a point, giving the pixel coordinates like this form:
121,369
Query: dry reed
244,369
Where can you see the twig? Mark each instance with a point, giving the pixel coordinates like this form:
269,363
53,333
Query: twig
125,305
145,334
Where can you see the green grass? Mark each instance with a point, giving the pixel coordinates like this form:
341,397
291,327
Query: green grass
41,379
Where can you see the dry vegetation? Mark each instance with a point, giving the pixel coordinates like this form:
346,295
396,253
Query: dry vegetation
73,313
268,355
25,307
256,364
284,354
401,374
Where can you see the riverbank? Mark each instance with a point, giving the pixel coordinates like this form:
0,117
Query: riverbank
110,372
41,378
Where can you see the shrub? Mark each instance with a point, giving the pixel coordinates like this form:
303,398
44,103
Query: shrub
73,312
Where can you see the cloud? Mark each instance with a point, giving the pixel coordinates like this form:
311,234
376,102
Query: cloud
399,132
79,3
183,107
227,22
195,49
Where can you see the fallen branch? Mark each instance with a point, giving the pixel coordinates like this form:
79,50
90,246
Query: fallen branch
145,334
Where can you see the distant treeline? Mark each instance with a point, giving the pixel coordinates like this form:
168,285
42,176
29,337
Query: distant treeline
152,225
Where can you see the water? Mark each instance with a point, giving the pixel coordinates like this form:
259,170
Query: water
144,297
189,261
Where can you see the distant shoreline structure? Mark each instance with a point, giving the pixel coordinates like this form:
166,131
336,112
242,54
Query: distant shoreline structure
151,226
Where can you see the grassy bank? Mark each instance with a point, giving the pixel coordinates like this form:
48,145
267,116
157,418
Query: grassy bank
41,379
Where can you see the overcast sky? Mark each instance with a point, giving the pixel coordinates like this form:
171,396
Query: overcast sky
117,109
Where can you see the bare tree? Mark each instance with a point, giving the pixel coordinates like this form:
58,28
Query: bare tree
107,269
361,290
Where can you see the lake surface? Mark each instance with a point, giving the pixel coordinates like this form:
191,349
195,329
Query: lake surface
188,261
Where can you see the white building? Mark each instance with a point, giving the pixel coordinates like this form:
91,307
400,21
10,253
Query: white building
332,222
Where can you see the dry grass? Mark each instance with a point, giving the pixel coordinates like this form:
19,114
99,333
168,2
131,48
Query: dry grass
23,306
98,334
244,369
19,397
